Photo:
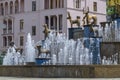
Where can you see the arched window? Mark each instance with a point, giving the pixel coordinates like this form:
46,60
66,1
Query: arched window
11,7
6,8
16,6
2,9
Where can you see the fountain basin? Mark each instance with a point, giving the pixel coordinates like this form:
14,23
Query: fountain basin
30,63
62,71
40,61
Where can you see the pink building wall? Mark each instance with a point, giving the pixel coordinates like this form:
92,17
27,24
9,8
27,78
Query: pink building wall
37,18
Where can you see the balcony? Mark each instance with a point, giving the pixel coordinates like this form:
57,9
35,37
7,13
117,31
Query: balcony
6,32
9,31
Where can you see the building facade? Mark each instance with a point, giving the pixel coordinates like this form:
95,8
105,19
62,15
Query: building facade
27,16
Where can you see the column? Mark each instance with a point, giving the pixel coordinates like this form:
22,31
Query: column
62,3
54,4
12,24
7,24
49,22
7,41
49,4
57,3
13,7
19,6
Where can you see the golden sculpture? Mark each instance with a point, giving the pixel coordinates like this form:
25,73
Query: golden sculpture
76,21
41,50
89,19
46,30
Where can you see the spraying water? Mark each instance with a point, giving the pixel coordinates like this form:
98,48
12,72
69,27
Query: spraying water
30,54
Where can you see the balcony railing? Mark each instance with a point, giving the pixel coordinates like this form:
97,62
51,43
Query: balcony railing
4,31
9,31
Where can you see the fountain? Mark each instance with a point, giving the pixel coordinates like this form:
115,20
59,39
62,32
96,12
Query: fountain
89,52
29,53
13,56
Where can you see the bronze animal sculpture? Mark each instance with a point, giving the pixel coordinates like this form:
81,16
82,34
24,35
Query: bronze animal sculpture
41,50
76,21
46,30
89,19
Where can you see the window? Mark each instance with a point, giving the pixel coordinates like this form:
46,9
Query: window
61,3
33,5
4,41
11,8
46,4
60,22
94,6
51,6
9,26
77,3
2,11
33,30
9,39
46,20
53,22
21,40
21,24
16,7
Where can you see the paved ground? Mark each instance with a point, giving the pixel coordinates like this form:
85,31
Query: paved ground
15,78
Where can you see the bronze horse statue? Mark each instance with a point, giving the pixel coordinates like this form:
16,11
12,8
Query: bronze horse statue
76,21
89,19
46,30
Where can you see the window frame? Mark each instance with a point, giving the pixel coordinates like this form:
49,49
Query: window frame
34,6
33,30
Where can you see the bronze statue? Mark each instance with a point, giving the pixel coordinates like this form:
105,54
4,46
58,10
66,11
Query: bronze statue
89,19
46,30
41,50
76,21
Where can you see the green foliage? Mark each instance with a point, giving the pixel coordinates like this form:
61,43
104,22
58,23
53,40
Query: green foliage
111,10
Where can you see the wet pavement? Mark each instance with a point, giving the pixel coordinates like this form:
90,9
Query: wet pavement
18,78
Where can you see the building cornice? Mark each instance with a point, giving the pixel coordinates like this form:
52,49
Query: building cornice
89,11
